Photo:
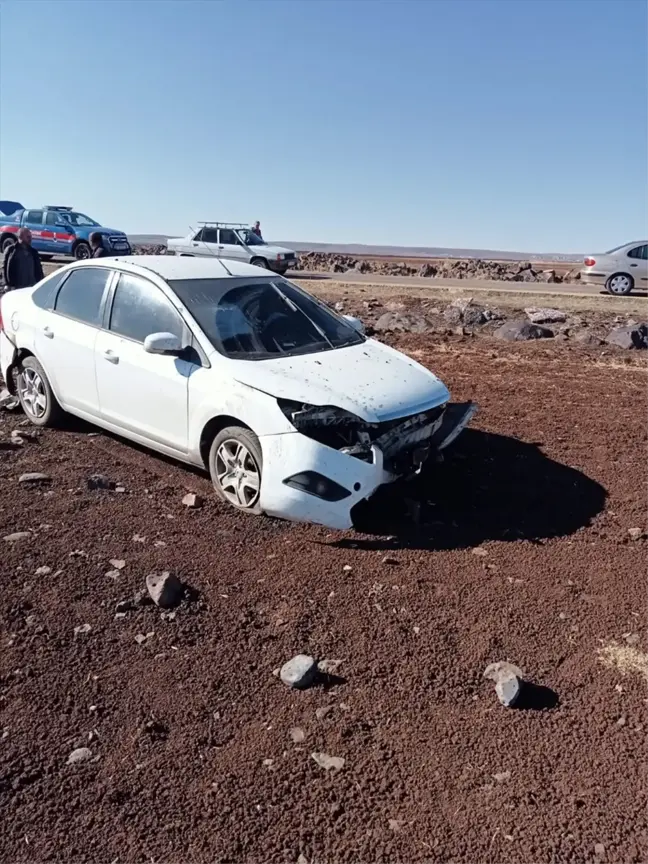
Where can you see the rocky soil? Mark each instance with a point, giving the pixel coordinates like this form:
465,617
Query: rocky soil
137,728
472,268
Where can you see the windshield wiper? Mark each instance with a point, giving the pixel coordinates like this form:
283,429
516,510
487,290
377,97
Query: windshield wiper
295,308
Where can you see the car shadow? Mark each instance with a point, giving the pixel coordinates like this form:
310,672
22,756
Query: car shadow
489,487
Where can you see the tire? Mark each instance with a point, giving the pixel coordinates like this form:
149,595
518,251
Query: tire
260,262
244,451
619,284
7,243
32,383
82,251
281,271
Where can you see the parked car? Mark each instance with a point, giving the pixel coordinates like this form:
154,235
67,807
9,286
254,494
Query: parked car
236,242
289,406
620,270
57,231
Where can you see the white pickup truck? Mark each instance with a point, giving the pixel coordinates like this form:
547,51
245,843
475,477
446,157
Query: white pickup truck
234,241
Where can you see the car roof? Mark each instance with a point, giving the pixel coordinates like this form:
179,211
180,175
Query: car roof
171,267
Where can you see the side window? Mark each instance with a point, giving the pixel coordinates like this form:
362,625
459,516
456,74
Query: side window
51,217
81,294
34,217
44,295
140,308
199,236
210,235
638,252
227,236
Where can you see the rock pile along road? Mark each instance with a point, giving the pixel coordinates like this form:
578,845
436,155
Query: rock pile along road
131,731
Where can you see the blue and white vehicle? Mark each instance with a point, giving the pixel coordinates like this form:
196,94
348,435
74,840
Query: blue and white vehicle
57,230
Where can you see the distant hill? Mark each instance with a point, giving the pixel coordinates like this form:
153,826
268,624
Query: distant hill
392,251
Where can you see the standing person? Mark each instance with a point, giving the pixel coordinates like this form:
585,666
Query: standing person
22,266
256,229
96,244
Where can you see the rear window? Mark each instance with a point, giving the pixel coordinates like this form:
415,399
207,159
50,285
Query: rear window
44,295
261,319
81,294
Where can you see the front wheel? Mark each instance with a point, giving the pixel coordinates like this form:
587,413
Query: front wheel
235,465
620,284
82,251
260,262
35,394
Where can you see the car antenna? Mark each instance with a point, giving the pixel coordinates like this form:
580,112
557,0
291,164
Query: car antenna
220,260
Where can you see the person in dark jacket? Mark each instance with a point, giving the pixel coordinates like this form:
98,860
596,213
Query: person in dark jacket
96,244
22,266
256,229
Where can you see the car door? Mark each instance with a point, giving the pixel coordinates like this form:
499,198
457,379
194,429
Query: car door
55,234
145,395
638,264
205,242
230,246
64,338
40,239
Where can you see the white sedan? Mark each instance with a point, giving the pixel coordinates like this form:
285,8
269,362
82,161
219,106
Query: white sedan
289,406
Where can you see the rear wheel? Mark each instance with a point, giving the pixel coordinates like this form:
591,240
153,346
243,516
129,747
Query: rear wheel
260,262
35,394
82,251
619,284
235,465
7,243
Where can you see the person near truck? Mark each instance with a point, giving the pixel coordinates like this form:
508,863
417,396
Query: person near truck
22,266
256,229
96,244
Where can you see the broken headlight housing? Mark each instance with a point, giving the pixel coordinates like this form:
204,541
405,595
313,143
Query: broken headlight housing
330,426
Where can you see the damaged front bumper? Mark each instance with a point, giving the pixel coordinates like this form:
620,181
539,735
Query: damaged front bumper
310,480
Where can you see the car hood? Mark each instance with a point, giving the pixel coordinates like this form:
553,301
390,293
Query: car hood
371,380
269,251
113,231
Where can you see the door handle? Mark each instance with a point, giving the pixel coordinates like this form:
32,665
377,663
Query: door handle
111,357
194,244
221,247
48,333
634,265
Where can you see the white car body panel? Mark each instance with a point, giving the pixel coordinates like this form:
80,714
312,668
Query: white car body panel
347,378
166,403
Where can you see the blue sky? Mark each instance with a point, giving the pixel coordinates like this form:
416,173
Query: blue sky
502,124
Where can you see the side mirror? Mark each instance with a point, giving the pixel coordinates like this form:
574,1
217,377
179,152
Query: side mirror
356,323
162,343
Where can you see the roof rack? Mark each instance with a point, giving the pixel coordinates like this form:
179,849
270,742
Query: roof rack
225,224
56,207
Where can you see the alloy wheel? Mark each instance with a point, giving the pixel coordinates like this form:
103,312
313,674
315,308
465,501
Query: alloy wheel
33,393
238,474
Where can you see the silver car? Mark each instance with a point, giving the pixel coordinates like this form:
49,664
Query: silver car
620,270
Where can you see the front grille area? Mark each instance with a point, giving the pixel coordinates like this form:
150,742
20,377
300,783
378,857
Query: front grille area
289,256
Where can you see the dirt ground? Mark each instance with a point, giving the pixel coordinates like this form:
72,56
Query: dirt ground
199,753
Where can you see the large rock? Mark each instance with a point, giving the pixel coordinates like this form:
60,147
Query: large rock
403,322
521,330
299,672
474,316
165,589
587,339
631,336
545,316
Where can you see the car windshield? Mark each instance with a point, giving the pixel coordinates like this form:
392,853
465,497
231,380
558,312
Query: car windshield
77,218
262,319
250,238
